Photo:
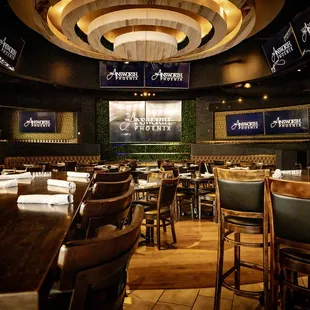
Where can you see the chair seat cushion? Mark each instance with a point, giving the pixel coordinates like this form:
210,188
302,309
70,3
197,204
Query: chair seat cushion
243,221
295,254
146,204
106,230
163,211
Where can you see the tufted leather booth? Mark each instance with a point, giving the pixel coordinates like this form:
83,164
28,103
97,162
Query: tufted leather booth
13,162
266,159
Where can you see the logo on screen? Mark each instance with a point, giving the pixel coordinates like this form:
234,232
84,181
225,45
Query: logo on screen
123,75
146,124
37,123
7,50
286,123
167,76
279,53
244,125
305,32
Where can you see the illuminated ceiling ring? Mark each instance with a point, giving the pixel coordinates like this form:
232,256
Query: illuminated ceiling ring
133,17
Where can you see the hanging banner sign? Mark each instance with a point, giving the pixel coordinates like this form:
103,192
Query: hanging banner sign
167,75
287,121
245,124
282,49
301,27
120,74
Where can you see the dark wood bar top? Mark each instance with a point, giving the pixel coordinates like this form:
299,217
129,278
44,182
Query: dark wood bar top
30,238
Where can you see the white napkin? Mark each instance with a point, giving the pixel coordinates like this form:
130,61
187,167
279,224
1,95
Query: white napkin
25,175
8,183
185,174
154,169
207,175
113,167
37,207
78,174
9,190
24,181
142,181
101,167
148,184
277,174
57,199
60,183
65,190
81,180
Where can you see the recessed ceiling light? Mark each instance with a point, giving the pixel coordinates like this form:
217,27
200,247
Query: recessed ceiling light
223,101
265,97
126,62
135,94
298,70
240,100
247,85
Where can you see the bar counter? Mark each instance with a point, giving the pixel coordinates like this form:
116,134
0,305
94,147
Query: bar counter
30,239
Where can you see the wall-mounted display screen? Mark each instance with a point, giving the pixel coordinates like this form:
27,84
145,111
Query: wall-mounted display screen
282,49
37,122
172,75
301,26
245,124
11,48
120,74
137,121
287,121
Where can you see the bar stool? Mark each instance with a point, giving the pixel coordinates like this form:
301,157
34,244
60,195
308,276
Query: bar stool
288,204
240,204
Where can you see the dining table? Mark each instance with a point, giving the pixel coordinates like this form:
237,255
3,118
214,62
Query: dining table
31,236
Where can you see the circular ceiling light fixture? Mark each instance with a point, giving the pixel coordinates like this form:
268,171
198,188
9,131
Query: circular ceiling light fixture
146,30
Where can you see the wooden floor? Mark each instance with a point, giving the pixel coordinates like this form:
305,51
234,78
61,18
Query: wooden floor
190,263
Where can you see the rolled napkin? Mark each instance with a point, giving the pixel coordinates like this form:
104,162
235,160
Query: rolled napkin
104,167
66,190
185,174
277,174
25,175
81,180
36,207
9,190
8,183
60,183
154,169
24,181
207,175
78,174
57,199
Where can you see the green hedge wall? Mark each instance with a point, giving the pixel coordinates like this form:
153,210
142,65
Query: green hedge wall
143,152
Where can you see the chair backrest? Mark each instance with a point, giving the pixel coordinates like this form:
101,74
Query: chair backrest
97,268
103,190
103,176
70,165
35,169
240,190
99,212
167,193
288,204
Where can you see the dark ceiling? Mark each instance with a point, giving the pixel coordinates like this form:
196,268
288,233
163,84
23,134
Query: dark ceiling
286,83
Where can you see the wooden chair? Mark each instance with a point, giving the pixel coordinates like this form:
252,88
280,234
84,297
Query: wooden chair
240,205
99,212
93,272
111,176
164,210
104,190
288,204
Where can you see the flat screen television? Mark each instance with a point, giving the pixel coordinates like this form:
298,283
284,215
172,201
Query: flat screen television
37,122
282,49
287,121
245,124
145,121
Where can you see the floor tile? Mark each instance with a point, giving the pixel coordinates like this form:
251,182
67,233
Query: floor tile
210,292
147,295
204,303
243,303
134,303
167,306
181,297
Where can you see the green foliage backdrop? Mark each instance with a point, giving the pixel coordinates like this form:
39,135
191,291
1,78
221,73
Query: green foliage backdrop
146,152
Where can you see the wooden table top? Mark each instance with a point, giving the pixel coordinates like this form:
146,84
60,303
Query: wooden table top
30,239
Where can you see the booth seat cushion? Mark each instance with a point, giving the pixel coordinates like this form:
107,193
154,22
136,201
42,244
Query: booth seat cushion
13,162
266,159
